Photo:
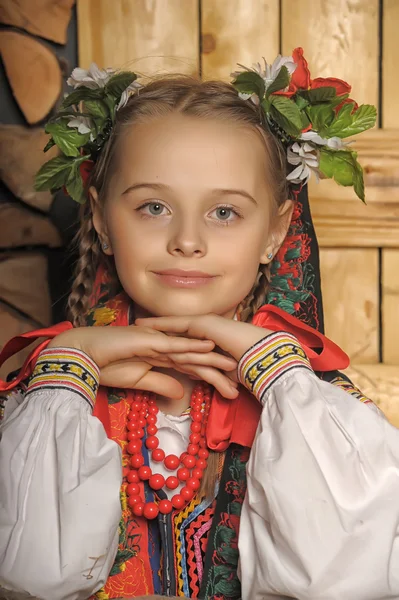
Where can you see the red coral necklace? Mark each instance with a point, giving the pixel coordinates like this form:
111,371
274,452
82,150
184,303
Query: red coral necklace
189,467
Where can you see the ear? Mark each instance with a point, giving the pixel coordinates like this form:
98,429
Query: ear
277,234
99,221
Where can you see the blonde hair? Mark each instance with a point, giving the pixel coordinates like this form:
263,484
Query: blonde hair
191,97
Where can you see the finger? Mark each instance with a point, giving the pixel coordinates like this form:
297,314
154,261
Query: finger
129,376
233,376
233,337
191,369
200,327
166,324
164,344
161,360
217,379
211,359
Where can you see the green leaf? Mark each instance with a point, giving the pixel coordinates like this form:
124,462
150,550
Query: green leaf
49,145
337,165
250,82
359,181
280,83
338,99
343,167
74,184
68,139
347,123
266,104
96,108
288,109
284,124
119,82
75,190
322,94
301,102
287,115
82,93
321,116
53,174
111,105
305,120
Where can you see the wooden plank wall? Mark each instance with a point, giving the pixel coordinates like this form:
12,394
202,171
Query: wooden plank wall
150,36
359,244
390,119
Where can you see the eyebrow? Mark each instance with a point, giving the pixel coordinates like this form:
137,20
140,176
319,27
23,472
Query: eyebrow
163,186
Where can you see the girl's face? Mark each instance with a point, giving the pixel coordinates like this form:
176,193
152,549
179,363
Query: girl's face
188,215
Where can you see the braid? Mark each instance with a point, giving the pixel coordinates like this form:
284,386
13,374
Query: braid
256,297
86,267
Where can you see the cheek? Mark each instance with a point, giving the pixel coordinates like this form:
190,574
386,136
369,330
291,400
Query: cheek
127,238
244,247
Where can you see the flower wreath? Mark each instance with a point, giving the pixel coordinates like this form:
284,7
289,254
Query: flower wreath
310,117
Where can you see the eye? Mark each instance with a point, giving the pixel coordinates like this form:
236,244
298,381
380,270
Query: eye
226,214
153,209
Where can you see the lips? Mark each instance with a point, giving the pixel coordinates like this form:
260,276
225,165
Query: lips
183,279
183,273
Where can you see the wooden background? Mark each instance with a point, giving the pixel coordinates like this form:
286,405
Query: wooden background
354,40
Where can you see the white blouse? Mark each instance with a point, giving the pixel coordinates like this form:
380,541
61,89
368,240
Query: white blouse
321,515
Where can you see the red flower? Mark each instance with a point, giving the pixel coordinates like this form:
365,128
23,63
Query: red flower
347,101
301,80
341,86
86,168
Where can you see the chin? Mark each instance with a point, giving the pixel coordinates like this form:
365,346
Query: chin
181,311
158,303
191,309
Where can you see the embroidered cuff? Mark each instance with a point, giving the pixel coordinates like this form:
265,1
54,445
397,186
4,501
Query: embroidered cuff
68,369
351,389
269,359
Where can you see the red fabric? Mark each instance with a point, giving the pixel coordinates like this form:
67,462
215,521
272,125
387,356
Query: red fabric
101,409
21,341
331,357
235,421
230,421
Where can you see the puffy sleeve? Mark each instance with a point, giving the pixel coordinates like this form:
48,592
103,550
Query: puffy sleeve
60,480
321,514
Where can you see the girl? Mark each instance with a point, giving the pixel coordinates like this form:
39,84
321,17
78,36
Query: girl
183,437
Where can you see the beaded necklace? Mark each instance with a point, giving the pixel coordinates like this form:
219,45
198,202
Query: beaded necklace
189,467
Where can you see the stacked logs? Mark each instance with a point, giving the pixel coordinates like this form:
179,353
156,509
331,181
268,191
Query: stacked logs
35,76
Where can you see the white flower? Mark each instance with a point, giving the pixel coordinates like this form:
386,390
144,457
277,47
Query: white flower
270,72
93,78
306,157
82,124
135,85
253,97
335,143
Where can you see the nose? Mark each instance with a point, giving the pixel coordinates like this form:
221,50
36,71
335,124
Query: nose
187,238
